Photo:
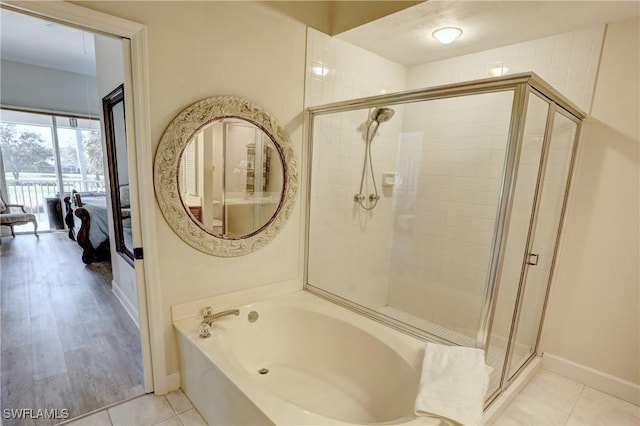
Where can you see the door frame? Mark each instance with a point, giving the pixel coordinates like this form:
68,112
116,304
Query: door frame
150,307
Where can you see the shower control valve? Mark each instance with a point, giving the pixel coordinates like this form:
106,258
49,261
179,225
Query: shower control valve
358,198
374,197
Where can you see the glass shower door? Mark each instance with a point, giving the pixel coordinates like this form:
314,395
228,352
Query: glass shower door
520,222
541,253
543,173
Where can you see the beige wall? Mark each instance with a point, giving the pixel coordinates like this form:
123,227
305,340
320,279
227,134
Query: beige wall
200,49
594,312
47,89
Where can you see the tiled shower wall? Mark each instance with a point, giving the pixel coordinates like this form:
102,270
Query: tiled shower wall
568,61
350,72
349,247
442,245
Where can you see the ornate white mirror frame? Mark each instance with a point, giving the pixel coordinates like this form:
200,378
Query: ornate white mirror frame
167,160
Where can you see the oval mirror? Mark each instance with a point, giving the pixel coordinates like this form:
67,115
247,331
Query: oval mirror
225,176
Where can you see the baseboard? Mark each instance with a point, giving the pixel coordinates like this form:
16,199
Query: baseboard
132,311
593,378
173,382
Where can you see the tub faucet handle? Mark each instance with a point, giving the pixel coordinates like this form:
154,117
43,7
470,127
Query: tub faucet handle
207,310
204,331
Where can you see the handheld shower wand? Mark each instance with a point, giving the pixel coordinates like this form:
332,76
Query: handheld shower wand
382,114
379,115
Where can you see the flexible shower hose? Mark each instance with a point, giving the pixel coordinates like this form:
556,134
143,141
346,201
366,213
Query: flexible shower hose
374,197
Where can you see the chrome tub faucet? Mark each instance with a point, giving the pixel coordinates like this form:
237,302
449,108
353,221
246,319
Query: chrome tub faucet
208,317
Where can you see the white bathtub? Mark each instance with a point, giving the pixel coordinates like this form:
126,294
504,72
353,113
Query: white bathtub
326,365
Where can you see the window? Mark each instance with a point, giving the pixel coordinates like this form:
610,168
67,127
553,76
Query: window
42,153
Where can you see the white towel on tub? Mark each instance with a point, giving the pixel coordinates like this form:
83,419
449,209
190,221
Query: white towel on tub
453,384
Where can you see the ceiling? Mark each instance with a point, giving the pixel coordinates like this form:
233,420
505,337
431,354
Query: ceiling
47,44
405,36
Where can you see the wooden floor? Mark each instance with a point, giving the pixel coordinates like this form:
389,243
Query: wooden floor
66,343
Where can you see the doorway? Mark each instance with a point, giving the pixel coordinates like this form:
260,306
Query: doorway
70,342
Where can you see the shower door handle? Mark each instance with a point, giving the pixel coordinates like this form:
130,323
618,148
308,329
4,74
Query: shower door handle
533,259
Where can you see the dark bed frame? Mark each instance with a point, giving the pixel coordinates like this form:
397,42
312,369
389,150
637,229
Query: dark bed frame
78,221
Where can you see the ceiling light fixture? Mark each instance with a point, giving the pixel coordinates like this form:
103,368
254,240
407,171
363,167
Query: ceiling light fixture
447,34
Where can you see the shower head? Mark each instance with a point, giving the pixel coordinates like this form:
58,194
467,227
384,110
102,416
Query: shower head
382,114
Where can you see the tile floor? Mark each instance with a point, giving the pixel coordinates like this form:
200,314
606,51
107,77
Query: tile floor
174,409
548,400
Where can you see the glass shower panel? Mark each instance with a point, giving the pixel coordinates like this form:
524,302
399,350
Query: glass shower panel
518,231
421,256
545,236
350,248
445,222
467,188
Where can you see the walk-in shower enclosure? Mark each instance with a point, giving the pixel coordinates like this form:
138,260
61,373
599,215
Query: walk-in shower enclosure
460,247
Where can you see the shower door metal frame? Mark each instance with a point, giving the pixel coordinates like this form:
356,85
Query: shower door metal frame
506,364
542,165
508,378
570,176
503,216
523,85
555,105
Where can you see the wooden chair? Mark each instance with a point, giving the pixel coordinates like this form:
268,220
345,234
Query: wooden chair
10,218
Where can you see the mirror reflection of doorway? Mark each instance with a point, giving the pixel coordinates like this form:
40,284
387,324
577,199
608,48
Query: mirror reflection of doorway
231,178
70,339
